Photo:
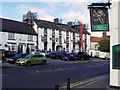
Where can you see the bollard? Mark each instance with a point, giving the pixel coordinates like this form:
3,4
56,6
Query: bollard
56,87
68,83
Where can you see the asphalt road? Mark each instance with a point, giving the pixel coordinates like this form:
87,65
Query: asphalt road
55,72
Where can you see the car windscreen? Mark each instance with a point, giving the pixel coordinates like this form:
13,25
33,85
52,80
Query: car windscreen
18,55
27,56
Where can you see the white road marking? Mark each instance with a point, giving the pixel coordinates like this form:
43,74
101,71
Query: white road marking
59,69
95,65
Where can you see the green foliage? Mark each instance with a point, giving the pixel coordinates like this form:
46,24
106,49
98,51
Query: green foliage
104,45
19,49
27,50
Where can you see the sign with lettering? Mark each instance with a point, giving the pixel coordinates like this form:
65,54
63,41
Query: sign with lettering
99,19
116,56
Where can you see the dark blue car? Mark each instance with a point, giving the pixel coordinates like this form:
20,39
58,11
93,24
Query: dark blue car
68,57
12,60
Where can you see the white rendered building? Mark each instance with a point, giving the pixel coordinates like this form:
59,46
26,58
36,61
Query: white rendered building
14,34
55,36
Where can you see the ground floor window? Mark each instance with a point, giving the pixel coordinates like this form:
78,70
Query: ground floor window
67,47
31,47
45,46
12,46
53,46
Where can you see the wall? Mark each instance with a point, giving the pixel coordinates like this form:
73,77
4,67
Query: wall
19,39
93,45
114,39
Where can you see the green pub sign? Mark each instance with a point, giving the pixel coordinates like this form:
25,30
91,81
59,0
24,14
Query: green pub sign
116,56
99,19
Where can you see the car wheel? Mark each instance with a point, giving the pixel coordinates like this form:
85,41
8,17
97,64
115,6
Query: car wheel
28,63
105,58
44,62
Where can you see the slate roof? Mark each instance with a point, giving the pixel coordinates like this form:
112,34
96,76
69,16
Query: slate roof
77,27
52,25
16,27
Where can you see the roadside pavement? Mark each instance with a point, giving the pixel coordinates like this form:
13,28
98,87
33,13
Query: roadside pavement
97,83
6,65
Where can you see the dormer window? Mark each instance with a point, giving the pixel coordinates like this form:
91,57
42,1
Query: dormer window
45,31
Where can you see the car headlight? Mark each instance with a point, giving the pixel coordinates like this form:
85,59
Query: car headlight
22,61
8,59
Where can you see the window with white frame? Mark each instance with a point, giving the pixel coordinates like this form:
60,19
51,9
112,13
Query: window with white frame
31,47
11,36
12,46
30,38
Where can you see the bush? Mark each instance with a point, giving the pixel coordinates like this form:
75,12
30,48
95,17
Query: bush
27,50
19,49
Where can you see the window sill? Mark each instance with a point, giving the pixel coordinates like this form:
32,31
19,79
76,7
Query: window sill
30,40
11,39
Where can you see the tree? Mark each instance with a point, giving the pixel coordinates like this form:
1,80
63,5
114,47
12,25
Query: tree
27,50
104,45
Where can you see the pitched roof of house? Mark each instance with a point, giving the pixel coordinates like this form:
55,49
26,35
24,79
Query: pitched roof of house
53,25
96,39
16,27
77,27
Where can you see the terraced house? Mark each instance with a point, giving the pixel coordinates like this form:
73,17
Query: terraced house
52,36
14,34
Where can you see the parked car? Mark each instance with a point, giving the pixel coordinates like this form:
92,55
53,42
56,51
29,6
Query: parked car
45,52
17,56
56,55
83,56
53,55
104,55
74,53
6,54
48,55
38,51
94,53
68,57
31,59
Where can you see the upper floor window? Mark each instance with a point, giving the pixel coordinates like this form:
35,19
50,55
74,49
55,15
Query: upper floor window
30,38
11,36
53,32
60,33
45,31
67,33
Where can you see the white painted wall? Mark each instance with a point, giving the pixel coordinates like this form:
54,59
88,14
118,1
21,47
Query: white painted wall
49,35
19,39
3,40
115,39
40,34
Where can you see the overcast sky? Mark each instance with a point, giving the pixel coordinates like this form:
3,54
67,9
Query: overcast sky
67,10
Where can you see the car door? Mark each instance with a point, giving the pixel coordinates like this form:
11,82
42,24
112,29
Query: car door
40,59
33,59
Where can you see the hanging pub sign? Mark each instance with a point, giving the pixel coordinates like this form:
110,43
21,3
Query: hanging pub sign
99,19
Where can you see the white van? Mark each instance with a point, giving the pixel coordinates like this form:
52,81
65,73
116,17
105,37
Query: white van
94,53
104,55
